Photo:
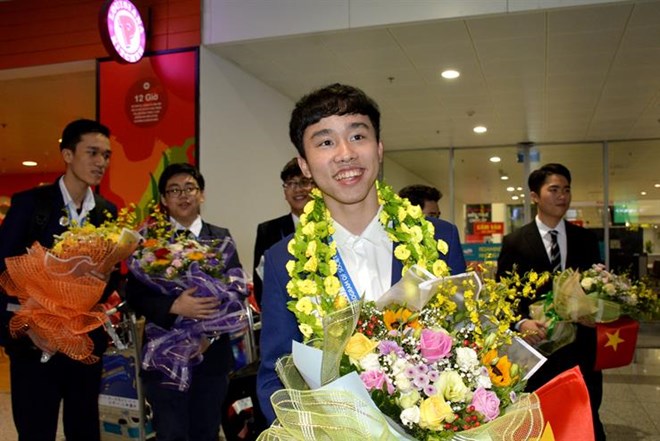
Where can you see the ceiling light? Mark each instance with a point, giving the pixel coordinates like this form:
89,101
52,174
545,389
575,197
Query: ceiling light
515,198
29,163
510,189
480,129
504,177
643,193
522,195
657,185
450,74
495,159
519,188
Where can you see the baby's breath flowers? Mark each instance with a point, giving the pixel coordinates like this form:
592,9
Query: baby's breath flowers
314,284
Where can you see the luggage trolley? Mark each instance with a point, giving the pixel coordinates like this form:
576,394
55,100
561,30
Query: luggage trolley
123,411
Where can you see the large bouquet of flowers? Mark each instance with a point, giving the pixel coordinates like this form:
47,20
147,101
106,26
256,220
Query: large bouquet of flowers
59,289
171,265
434,353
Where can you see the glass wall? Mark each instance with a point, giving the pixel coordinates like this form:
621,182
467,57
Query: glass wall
486,195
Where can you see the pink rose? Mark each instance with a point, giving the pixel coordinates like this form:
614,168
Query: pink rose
375,380
486,403
434,345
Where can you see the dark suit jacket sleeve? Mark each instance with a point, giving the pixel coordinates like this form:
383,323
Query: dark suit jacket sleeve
278,325
14,228
449,233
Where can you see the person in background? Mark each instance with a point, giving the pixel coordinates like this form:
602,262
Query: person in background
194,414
37,388
336,131
550,243
296,192
426,197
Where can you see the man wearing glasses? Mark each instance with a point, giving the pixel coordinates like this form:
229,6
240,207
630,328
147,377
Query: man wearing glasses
296,192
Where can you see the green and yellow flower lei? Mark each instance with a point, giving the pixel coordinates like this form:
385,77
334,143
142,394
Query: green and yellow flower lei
314,285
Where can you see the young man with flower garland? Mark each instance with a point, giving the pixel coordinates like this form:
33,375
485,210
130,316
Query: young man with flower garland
193,414
39,215
530,248
355,226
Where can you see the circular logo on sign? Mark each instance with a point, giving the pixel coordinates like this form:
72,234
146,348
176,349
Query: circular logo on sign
124,33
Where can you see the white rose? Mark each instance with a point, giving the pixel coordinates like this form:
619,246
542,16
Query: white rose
409,399
370,362
402,383
466,359
587,283
609,289
410,416
399,366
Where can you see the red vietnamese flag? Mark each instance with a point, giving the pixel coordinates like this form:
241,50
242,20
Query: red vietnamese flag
566,409
616,343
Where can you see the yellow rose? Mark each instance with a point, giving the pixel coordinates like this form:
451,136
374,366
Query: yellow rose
332,267
401,252
290,267
331,285
384,217
306,330
308,229
311,264
303,219
416,234
359,345
290,247
309,207
401,214
440,268
307,287
340,302
311,249
450,385
443,247
291,289
304,305
434,412
414,211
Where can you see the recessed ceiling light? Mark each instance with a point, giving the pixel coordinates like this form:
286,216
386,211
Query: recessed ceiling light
515,198
643,193
480,129
450,74
510,189
657,185
495,159
504,177
522,195
519,188
29,163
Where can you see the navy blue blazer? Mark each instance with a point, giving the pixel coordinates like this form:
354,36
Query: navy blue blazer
19,231
279,326
155,307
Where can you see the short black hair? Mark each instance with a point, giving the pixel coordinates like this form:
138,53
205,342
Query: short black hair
538,177
74,131
336,99
418,194
179,168
291,170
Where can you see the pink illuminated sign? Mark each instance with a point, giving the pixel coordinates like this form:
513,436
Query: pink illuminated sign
122,30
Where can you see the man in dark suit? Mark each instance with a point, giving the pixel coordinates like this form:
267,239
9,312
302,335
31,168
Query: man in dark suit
296,192
37,215
531,248
194,414
336,131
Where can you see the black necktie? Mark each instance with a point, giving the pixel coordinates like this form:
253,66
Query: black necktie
555,254
184,234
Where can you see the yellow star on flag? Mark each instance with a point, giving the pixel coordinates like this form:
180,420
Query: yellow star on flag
613,340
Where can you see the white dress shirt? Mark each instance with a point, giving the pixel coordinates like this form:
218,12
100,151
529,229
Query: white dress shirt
544,230
88,204
367,258
195,228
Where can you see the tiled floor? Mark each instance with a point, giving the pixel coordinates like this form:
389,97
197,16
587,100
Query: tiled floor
630,409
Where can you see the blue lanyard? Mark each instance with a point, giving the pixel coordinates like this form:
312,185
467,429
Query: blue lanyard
345,278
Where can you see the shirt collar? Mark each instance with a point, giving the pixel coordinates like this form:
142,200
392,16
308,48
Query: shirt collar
195,228
544,229
373,233
88,203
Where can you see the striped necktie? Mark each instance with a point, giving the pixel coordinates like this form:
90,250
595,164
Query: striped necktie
555,254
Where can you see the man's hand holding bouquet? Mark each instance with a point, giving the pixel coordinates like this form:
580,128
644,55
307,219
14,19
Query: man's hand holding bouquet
59,289
184,267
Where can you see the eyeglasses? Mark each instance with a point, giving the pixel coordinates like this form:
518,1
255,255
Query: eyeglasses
303,184
176,191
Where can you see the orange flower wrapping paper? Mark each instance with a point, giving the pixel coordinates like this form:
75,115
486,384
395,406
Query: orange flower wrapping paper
59,295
